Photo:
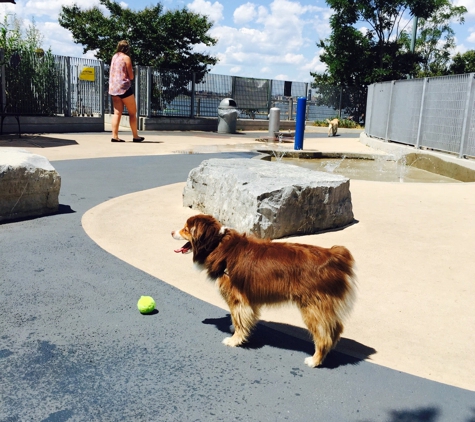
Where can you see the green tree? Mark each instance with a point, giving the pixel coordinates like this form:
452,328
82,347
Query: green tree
435,40
463,63
365,45
157,38
31,76
368,44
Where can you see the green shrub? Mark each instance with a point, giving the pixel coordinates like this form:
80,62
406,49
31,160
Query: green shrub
345,123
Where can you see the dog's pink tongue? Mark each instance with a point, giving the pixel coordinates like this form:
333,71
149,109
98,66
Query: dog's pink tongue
184,249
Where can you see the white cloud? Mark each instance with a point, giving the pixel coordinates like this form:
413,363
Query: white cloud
315,65
321,24
469,4
245,13
42,9
236,70
363,29
471,37
59,39
274,39
214,11
460,49
279,35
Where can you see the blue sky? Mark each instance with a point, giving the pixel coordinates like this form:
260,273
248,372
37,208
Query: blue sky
263,39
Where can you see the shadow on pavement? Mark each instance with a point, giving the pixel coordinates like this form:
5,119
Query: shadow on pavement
34,141
65,209
275,335
62,209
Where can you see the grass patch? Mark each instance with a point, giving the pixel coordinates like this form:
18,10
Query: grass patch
345,123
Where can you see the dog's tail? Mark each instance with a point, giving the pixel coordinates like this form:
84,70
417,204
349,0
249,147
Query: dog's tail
343,262
342,256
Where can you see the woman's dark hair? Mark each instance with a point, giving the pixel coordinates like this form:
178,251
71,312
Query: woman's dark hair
123,47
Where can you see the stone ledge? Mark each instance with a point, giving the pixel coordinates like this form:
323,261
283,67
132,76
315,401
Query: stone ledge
269,199
29,185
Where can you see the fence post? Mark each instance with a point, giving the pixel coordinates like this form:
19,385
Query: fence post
389,110
369,109
137,90
101,90
467,115
418,140
269,98
291,108
193,88
233,87
149,92
67,111
2,57
307,104
339,102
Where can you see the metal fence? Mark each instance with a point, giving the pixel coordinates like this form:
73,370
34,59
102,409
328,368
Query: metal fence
161,92
44,84
435,113
51,85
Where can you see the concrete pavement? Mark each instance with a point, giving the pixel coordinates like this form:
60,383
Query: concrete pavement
413,244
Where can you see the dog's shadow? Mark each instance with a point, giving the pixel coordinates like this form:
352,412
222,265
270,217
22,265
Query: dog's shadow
275,335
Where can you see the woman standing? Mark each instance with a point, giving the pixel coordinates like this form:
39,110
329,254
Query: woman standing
122,91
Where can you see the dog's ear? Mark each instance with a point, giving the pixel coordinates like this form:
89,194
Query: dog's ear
205,231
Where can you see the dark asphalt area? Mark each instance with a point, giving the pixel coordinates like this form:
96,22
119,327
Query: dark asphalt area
73,346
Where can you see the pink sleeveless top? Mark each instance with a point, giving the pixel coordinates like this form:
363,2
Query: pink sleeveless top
119,81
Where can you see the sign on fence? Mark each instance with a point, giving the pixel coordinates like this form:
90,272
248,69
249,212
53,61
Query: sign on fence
87,74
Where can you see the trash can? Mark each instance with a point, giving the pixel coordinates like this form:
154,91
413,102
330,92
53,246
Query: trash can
227,116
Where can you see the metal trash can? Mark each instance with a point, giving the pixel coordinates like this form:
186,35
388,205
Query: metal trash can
227,116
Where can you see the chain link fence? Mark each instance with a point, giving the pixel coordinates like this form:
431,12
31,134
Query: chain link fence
435,113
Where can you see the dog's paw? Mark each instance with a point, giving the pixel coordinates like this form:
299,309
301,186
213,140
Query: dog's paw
232,341
311,362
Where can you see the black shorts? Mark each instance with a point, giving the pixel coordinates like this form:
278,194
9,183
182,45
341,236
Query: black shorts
127,93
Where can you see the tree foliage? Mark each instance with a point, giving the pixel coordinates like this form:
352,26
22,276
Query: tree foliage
31,75
157,38
435,40
463,63
374,51
369,43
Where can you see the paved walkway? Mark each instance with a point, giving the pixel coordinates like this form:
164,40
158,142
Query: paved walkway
414,246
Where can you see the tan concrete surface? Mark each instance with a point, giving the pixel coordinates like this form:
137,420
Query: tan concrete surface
414,245
73,146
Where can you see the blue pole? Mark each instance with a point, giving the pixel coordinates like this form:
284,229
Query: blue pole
300,122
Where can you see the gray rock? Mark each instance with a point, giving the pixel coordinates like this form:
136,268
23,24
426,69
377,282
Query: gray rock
29,185
269,199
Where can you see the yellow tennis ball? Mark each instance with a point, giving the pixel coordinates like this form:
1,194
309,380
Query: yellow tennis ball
146,304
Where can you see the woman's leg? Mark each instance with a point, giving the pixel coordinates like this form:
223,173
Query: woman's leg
118,109
129,102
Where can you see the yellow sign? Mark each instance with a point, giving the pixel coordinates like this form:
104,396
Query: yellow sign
87,74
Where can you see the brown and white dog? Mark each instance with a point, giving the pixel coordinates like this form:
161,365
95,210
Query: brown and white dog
252,272
332,127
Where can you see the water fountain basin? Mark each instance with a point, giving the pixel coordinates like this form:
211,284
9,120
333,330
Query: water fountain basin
408,168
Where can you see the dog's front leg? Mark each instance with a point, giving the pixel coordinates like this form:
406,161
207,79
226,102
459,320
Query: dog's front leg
243,316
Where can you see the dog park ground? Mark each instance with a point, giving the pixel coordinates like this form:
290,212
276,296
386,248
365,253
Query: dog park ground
410,336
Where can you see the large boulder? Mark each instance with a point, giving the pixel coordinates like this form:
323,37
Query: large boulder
29,185
269,199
